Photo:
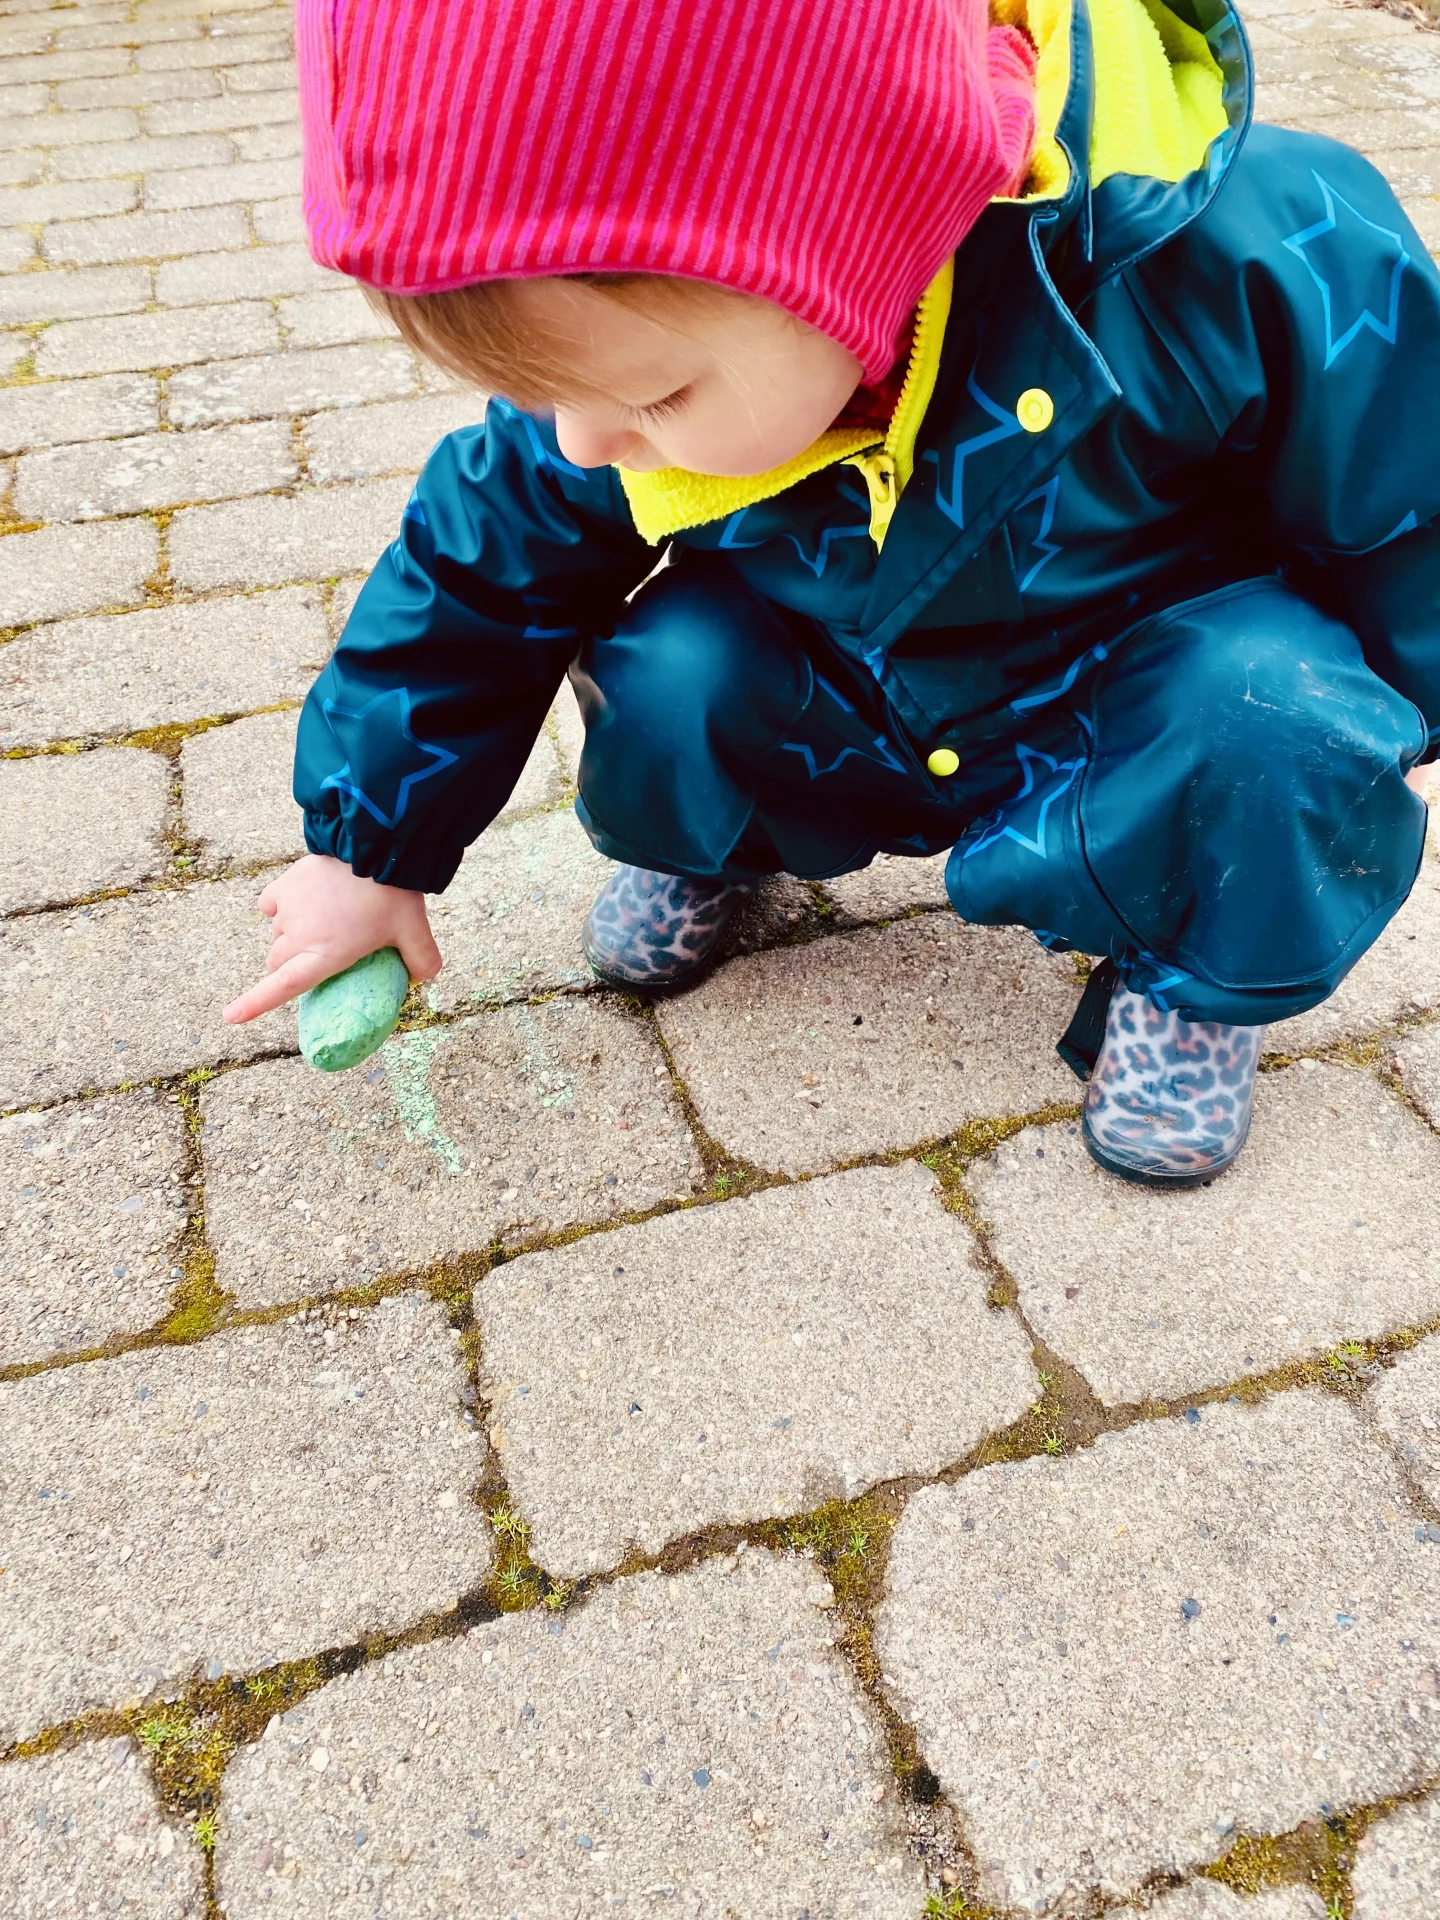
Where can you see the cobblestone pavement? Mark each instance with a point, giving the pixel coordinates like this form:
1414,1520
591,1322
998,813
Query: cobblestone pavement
734,1459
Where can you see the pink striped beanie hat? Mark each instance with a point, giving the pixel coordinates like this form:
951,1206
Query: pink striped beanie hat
828,155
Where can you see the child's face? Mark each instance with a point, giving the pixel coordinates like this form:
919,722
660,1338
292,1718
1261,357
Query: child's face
731,385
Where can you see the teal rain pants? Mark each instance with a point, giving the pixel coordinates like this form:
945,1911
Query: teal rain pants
1214,798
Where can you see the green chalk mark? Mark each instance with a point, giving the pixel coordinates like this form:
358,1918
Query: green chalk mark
408,1063
345,1018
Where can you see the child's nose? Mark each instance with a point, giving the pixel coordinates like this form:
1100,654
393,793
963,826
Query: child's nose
590,443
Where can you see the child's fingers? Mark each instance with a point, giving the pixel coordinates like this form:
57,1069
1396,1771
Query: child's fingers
294,977
269,902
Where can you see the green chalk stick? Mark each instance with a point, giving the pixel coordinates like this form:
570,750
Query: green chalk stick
345,1018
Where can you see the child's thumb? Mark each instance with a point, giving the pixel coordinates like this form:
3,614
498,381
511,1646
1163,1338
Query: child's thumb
420,953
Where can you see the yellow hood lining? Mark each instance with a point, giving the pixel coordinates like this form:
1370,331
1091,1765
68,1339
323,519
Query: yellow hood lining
663,503
1158,105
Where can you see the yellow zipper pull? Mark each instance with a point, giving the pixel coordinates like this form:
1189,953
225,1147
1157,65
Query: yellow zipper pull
878,469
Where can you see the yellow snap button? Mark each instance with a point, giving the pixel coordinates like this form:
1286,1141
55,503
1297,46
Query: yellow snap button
1035,410
944,760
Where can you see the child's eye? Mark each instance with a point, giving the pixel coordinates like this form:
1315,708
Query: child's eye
662,409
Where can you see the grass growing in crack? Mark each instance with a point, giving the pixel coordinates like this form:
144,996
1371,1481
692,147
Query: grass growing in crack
1317,1854
188,1749
516,1583
951,1906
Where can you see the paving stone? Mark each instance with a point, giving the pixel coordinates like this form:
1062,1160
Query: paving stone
955,1024
255,274
1388,130
130,989
270,142
64,570
20,169
53,412
121,673
649,1750
211,186
18,102
166,55
526,1121
509,923
255,1497
72,64
342,603
1424,216
60,295
394,437
120,32
260,76
1398,977
154,470
16,250
1210,1900
1413,173
91,1207
75,823
213,10
293,382
1295,1250
1312,96
1396,1875
1117,1660
1405,1404
140,156
889,887
220,116
137,89
1404,59
81,1833
1418,1063
63,200
741,1361
16,37
14,347
156,339
237,790
144,236
278,221
246,19
310,536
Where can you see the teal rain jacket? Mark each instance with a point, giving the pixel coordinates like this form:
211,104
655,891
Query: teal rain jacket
1245,370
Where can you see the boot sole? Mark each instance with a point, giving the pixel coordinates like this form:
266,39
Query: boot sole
653,989
1137,1177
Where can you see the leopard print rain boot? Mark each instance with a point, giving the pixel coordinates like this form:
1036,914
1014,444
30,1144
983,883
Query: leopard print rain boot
1168,1104
654,932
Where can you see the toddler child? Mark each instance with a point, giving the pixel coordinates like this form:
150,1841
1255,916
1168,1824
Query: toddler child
1043,456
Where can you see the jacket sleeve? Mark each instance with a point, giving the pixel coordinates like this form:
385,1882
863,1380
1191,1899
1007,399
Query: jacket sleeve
1305,311
415,733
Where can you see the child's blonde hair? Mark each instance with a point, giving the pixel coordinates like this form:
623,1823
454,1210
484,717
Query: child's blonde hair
479,334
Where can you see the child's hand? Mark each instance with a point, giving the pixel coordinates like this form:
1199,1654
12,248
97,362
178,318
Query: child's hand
325,919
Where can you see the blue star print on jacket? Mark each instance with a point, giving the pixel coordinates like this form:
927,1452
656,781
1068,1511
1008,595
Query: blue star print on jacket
407,762
1336,251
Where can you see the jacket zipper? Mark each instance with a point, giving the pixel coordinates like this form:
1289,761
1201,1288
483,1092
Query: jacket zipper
877,468
886,468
